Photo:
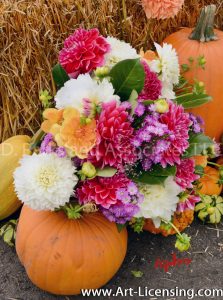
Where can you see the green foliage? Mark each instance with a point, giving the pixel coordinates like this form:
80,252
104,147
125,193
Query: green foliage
133,100
210,209
137,224
59,75
191,100
72,210
45,97
198,143
157,175
8,232
126,76
37,139
183,242
199,170
106,172
137,274
120,227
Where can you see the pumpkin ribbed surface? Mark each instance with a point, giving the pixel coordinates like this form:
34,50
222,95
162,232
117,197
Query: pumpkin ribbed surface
211,76
63,256
11,151
180,220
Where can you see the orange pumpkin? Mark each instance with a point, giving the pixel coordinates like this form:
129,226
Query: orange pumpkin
209,182
63,256
200,160
181,220
202,41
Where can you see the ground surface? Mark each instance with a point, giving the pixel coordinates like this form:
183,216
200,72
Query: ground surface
205,271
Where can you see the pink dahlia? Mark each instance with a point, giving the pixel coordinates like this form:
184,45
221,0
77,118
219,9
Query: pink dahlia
161,9
178,123
187,202
83,52
152,87
185,175
113,147
102,190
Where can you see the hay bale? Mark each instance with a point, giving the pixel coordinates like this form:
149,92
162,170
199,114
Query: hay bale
32,33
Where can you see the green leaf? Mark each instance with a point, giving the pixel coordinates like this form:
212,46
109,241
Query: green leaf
160,171
120,227
198,143
192,100
59,75
157,175
126,76
106,172
199,170
133,100
148,102
137,274
148,179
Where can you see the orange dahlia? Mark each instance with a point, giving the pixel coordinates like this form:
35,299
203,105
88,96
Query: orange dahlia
70,132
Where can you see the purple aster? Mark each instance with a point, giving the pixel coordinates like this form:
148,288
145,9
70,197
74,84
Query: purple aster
144,135
147,164
121,212
61,152
136,142
132,188
139,110
162,145
48,145
126,105
123,195
196,123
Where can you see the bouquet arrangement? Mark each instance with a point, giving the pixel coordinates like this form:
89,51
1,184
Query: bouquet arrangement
115,141
116,137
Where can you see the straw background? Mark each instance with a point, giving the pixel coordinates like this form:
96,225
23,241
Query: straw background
32,33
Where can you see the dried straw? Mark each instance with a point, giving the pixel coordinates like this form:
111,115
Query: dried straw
32,33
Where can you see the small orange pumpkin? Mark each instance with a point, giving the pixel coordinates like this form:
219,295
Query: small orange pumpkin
209,182
63,256
207,42
181,220
200,160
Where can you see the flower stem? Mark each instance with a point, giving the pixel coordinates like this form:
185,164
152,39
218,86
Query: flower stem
173,226
214,164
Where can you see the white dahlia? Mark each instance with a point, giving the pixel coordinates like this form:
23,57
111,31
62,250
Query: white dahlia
120,50
45,181
77,92
160,202
167,65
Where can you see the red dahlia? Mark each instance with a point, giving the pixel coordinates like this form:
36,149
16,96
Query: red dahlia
83,52
114,147
101,190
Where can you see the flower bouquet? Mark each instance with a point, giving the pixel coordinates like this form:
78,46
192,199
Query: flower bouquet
115,146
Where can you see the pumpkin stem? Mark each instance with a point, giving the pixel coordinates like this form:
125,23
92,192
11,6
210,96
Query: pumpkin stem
204,31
